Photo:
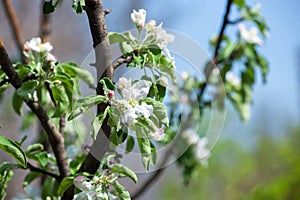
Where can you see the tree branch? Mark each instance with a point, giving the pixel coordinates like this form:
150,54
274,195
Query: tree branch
44,172
15,26
55,138
96,18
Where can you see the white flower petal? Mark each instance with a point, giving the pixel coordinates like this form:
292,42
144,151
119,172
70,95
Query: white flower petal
144,109
139,17
140,89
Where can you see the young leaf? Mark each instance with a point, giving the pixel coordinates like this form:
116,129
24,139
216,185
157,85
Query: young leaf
37,147
144,144
27,89
129,144
117,37
121,169
4,180
49,188
14,150
6,166
79,72
84,104
97,123
121,192
64,185
31,176
17,103
61,99
78,6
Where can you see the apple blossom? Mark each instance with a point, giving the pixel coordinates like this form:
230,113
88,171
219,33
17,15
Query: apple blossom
201,150
162,37
199,145
163,81
129,104
139,18
35,44
251,35
150,26
230,77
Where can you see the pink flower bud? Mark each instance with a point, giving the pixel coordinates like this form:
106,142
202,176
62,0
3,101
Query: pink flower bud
111,93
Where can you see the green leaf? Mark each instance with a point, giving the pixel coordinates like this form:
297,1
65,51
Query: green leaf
31,176
114,118
6,166
165,65
17,103
97,123
91,100
129,144
153,154
61,99
37,147
126,48
49,188
121,169
107,84
64,185
121,192
86,103
117,37
27,89
4,180
144,144
42,158
48,7
159,110
228,49
240,3
78,6
14,150
81,73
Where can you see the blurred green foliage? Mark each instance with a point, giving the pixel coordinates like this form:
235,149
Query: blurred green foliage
270,169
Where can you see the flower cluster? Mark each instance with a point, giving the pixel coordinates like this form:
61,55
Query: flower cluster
251,35
160,35
199,145
92,188
36,48
131,106
130,97
233,79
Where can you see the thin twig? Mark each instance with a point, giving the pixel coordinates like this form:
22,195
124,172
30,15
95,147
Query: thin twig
225,22
121,61
36,169
55,138
223,28
232,22
15,26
